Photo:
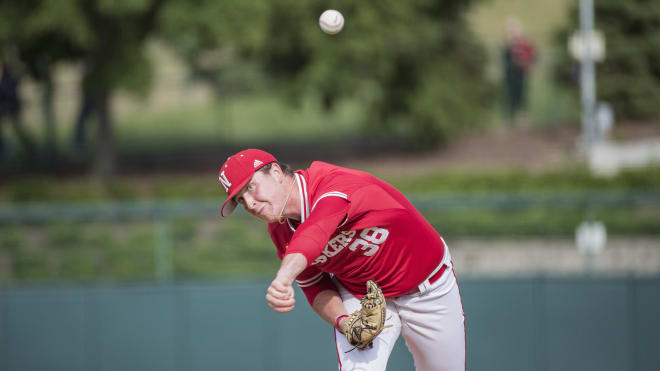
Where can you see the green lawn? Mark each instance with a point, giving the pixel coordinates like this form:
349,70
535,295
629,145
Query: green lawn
239,120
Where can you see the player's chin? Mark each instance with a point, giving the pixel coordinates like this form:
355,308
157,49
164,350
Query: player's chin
267,218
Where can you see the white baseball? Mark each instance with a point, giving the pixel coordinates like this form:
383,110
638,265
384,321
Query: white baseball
331,21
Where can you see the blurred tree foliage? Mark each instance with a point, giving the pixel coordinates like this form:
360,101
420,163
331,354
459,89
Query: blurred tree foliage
39,34
106,36
629,77
414,66
217,39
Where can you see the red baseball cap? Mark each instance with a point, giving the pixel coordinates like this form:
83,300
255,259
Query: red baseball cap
237,171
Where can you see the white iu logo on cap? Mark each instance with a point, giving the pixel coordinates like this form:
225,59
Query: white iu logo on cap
224,181
257,163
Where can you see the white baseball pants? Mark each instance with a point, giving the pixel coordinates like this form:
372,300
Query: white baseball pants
432,324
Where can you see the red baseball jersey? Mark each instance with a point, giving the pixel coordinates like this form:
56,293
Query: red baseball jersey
357,227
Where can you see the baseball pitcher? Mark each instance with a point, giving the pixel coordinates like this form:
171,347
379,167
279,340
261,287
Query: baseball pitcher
368,262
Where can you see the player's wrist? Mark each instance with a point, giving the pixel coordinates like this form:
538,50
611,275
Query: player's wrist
292,265
339,322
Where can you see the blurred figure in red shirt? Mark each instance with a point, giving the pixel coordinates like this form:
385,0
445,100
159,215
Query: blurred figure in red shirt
519,55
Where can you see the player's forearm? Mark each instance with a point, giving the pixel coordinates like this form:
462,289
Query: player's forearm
328,305
291,266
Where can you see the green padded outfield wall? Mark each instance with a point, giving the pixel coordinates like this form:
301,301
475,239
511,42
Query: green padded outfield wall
544,324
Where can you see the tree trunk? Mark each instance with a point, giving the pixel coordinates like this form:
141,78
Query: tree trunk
50,150
104,160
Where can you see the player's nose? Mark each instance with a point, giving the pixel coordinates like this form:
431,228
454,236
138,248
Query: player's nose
250,202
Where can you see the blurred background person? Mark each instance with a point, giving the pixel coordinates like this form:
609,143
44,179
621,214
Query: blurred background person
519,55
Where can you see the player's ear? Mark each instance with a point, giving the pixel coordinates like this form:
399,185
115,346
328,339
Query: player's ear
276,172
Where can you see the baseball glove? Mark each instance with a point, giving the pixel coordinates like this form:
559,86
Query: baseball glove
365,324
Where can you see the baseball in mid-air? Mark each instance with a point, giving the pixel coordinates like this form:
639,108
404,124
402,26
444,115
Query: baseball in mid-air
331,21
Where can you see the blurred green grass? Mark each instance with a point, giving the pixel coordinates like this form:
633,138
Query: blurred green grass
237,119
232,119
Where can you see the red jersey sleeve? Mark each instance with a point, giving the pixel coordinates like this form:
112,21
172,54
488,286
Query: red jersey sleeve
310,239
312,235
312,281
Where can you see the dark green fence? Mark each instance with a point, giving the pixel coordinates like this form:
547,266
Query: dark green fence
538,323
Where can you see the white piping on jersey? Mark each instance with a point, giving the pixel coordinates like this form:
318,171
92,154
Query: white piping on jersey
310,279
290,226
332,193
307,210
304,200
309,282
